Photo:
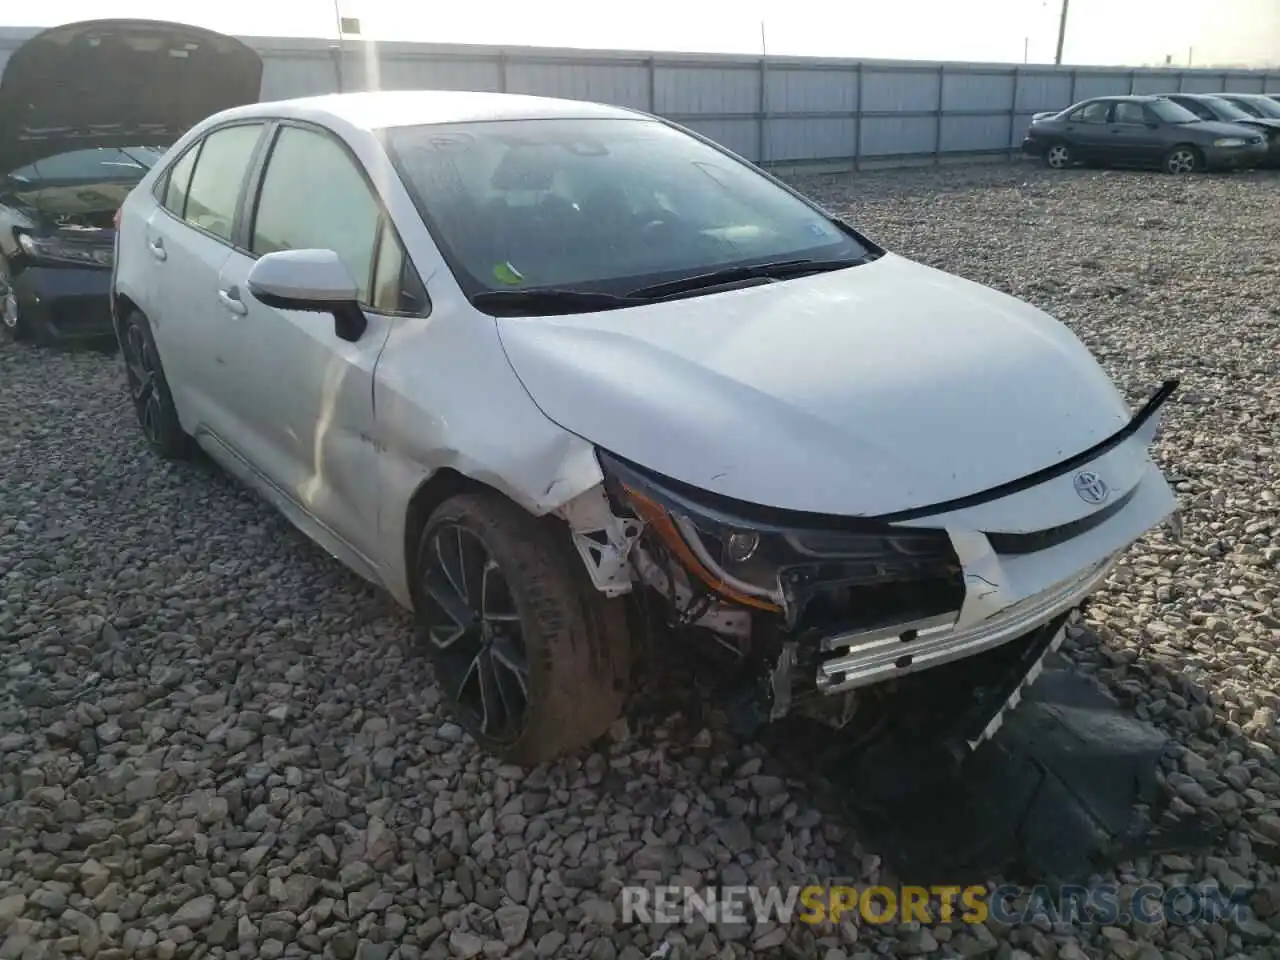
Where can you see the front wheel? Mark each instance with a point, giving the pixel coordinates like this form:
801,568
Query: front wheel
1181,159
149,390
1059,156
533,660
11,325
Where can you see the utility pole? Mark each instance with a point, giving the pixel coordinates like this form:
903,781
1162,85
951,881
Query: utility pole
1062,31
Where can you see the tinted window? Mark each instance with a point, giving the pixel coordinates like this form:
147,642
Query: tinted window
1095,112
179,181
1127,112
314,197
388,272
219,175
1170,112
609,204
1259,106
99,164
1226,110
1195,106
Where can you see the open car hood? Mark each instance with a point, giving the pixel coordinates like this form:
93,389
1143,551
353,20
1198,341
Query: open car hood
118,83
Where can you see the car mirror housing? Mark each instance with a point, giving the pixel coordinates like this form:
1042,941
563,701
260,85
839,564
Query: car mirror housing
316,281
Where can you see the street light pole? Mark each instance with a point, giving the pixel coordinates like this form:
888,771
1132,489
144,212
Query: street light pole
1062,31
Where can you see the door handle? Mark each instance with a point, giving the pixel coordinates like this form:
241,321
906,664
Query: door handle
231,300
157,249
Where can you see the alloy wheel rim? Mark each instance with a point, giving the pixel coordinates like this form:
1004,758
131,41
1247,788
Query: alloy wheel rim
474,631
1057,156
141,368
1182,162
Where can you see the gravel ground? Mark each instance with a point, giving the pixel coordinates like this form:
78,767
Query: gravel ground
214,743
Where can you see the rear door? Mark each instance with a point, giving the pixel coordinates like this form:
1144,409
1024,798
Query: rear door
1135,133
304,417
189,237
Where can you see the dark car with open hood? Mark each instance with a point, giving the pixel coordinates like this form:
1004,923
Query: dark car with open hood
86,109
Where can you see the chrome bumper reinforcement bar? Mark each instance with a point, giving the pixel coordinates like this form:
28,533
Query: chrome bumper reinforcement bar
872,656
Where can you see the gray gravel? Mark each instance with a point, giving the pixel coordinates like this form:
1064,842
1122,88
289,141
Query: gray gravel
214,743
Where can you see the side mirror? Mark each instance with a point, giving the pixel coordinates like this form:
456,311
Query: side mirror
313,280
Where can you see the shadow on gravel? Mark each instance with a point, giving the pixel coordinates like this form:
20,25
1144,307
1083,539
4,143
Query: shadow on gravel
1070,786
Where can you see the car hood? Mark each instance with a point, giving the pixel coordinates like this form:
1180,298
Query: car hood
1265,123
879,388
103,83
1221,128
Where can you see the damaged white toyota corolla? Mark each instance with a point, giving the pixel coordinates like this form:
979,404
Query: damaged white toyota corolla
523,361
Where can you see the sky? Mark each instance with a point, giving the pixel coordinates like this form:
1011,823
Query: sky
1130,32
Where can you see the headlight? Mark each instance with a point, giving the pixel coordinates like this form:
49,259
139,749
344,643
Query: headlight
1230,142
776,562
52,248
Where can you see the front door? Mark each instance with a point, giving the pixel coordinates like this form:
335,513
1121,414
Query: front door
306,423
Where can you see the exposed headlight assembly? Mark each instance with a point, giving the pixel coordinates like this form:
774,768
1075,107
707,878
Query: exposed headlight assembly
1230,142
52,248
769,559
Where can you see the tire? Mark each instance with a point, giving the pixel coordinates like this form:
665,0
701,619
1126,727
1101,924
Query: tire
1181,159
11,326
1059,155
537,609
149,390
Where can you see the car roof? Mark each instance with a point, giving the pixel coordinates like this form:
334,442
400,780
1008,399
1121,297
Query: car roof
1133,97
375,110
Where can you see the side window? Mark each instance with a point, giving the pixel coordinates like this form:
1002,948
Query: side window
1127,112
218,178
178,182
1095,112
388,272
314,197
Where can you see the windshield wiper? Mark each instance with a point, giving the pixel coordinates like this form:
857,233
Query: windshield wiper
777,270
547,301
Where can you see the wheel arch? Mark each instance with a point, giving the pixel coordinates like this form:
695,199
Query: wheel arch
121,306
443,484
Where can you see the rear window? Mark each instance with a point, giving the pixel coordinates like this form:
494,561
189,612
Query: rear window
129,164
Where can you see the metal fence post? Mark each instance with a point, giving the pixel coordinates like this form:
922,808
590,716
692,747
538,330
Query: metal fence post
857,121
502,71
1133,81
653,84
937,120
762,129
1013,110
1075,79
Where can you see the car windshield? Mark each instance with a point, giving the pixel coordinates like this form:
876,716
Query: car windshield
95,165
1261,105
1170,112
602,205
1226,110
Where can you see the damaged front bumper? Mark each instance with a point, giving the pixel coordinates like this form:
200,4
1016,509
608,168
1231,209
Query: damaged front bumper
827,606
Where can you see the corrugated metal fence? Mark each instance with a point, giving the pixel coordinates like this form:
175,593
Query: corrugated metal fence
774,110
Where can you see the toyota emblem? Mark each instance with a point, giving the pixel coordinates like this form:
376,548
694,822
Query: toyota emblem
1091,487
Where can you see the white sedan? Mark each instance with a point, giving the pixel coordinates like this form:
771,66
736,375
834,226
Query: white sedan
524,361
